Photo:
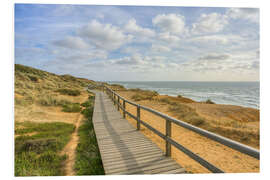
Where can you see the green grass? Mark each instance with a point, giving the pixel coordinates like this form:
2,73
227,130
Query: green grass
70,92
38,154
88,160
72,107
52,100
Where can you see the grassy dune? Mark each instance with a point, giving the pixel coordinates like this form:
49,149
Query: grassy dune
47,107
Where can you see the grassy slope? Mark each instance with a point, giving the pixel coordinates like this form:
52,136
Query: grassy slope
33,86
38,154
41,97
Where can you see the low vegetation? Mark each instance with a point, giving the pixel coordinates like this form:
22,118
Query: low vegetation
43,96
88,160
116,87
208,101
70,92
53,100
33,86
186,114
143,95
237,123
71,107
179,96
37,148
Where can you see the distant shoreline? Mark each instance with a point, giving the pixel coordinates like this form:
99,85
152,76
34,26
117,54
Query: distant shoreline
172,95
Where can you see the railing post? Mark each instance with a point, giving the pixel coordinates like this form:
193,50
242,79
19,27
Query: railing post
113,98
124,109
118,103
138,117
168,134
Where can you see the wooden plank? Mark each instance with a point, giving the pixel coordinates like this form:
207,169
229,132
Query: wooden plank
123,149
117,158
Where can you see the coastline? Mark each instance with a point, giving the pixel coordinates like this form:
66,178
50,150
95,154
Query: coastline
245,94
235,122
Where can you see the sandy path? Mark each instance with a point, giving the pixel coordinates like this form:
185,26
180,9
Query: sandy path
70,149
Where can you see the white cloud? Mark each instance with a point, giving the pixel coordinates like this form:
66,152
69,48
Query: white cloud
160,48
168,37
214,57
71,42
83,56
132,27
104,36
250,14
218,39
130,50
173,23
210,23
133,60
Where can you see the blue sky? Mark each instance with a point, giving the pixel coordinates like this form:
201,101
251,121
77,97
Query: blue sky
139,42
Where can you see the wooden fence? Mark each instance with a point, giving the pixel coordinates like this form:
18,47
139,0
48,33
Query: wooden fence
116,98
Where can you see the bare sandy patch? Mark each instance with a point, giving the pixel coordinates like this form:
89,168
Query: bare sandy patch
38,113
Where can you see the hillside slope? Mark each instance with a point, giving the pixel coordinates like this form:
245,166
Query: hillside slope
47,117
40,95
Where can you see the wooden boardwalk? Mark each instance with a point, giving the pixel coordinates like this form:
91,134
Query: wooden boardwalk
123,149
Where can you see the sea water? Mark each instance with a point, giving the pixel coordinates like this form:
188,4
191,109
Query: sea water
245,94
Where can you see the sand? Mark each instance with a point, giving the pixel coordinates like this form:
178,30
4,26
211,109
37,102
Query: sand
223,157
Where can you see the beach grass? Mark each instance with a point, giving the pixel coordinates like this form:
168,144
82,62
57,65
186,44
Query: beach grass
88,159
37,148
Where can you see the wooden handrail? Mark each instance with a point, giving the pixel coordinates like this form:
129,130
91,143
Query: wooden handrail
167,137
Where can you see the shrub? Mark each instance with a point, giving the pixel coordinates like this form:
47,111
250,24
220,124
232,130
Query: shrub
69,92
38,154
209,101
117,86
67,77
33,78
49,100
86,104
179,96
73,107
187,114
165,100
30,70
144,95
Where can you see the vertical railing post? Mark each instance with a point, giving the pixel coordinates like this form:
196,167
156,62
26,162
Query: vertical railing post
118,102
168,134
124,108
113,98
110,93
138,117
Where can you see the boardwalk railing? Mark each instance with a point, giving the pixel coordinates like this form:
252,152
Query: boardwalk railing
167,136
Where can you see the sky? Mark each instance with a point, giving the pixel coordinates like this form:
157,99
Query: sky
139,43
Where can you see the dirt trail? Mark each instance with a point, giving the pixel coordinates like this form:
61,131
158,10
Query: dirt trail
70,149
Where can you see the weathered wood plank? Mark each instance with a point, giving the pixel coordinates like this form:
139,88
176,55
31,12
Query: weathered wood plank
123,149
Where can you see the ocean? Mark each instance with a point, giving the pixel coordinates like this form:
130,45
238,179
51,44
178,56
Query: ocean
245,94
